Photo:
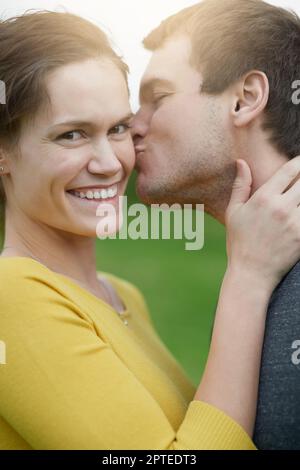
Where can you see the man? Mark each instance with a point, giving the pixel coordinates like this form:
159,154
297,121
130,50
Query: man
219,87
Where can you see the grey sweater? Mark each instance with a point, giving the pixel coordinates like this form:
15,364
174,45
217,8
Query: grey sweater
278,413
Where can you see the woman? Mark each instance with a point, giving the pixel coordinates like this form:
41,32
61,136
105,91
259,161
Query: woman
85,368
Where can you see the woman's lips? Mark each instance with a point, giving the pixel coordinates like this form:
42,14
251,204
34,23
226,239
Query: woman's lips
93,203
85,199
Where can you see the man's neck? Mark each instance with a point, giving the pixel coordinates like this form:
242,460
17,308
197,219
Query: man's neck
264,164
264,161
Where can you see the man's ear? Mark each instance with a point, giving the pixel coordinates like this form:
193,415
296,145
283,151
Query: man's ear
251,98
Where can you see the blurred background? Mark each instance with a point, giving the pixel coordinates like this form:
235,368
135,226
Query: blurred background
181,287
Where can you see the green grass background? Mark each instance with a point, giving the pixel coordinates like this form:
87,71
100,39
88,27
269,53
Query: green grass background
180,287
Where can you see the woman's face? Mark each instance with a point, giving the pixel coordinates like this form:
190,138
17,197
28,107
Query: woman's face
80,143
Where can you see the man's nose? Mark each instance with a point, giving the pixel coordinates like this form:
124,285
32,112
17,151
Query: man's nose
139,127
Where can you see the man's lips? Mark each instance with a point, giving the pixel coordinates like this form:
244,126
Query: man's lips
139,148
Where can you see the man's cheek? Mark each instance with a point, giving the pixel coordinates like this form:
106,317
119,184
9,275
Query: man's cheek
165,128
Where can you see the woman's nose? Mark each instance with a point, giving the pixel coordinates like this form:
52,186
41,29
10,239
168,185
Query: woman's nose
105,161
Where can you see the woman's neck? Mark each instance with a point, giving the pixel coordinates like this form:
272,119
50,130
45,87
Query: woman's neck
66,253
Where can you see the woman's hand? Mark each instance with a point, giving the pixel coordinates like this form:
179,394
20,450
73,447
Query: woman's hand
263,231
263,243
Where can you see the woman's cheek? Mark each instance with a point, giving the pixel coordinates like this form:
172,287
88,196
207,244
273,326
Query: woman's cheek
126,154
69,162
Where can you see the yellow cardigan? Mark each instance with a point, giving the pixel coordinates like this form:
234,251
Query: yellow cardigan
76,377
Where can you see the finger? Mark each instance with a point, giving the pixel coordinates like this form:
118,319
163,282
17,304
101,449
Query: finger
279,182
292,195
241,187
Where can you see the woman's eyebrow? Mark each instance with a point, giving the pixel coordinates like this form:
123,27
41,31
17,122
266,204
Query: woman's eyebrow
69,123
126,118
80,123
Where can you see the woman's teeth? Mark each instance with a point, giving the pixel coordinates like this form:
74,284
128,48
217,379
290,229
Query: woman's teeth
98,194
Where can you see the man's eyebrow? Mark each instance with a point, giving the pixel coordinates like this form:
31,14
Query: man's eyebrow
148,86
79,123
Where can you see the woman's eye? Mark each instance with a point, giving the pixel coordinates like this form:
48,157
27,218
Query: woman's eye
69,136
119,129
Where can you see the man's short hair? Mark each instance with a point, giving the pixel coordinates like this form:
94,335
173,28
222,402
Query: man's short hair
232,37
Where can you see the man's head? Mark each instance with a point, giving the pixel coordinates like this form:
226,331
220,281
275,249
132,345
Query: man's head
218,87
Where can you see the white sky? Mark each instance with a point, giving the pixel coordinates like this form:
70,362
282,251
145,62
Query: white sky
126,21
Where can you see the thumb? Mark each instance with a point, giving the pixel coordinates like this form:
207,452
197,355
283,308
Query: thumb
241,189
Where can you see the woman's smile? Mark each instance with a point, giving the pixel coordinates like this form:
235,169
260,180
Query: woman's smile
92,197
